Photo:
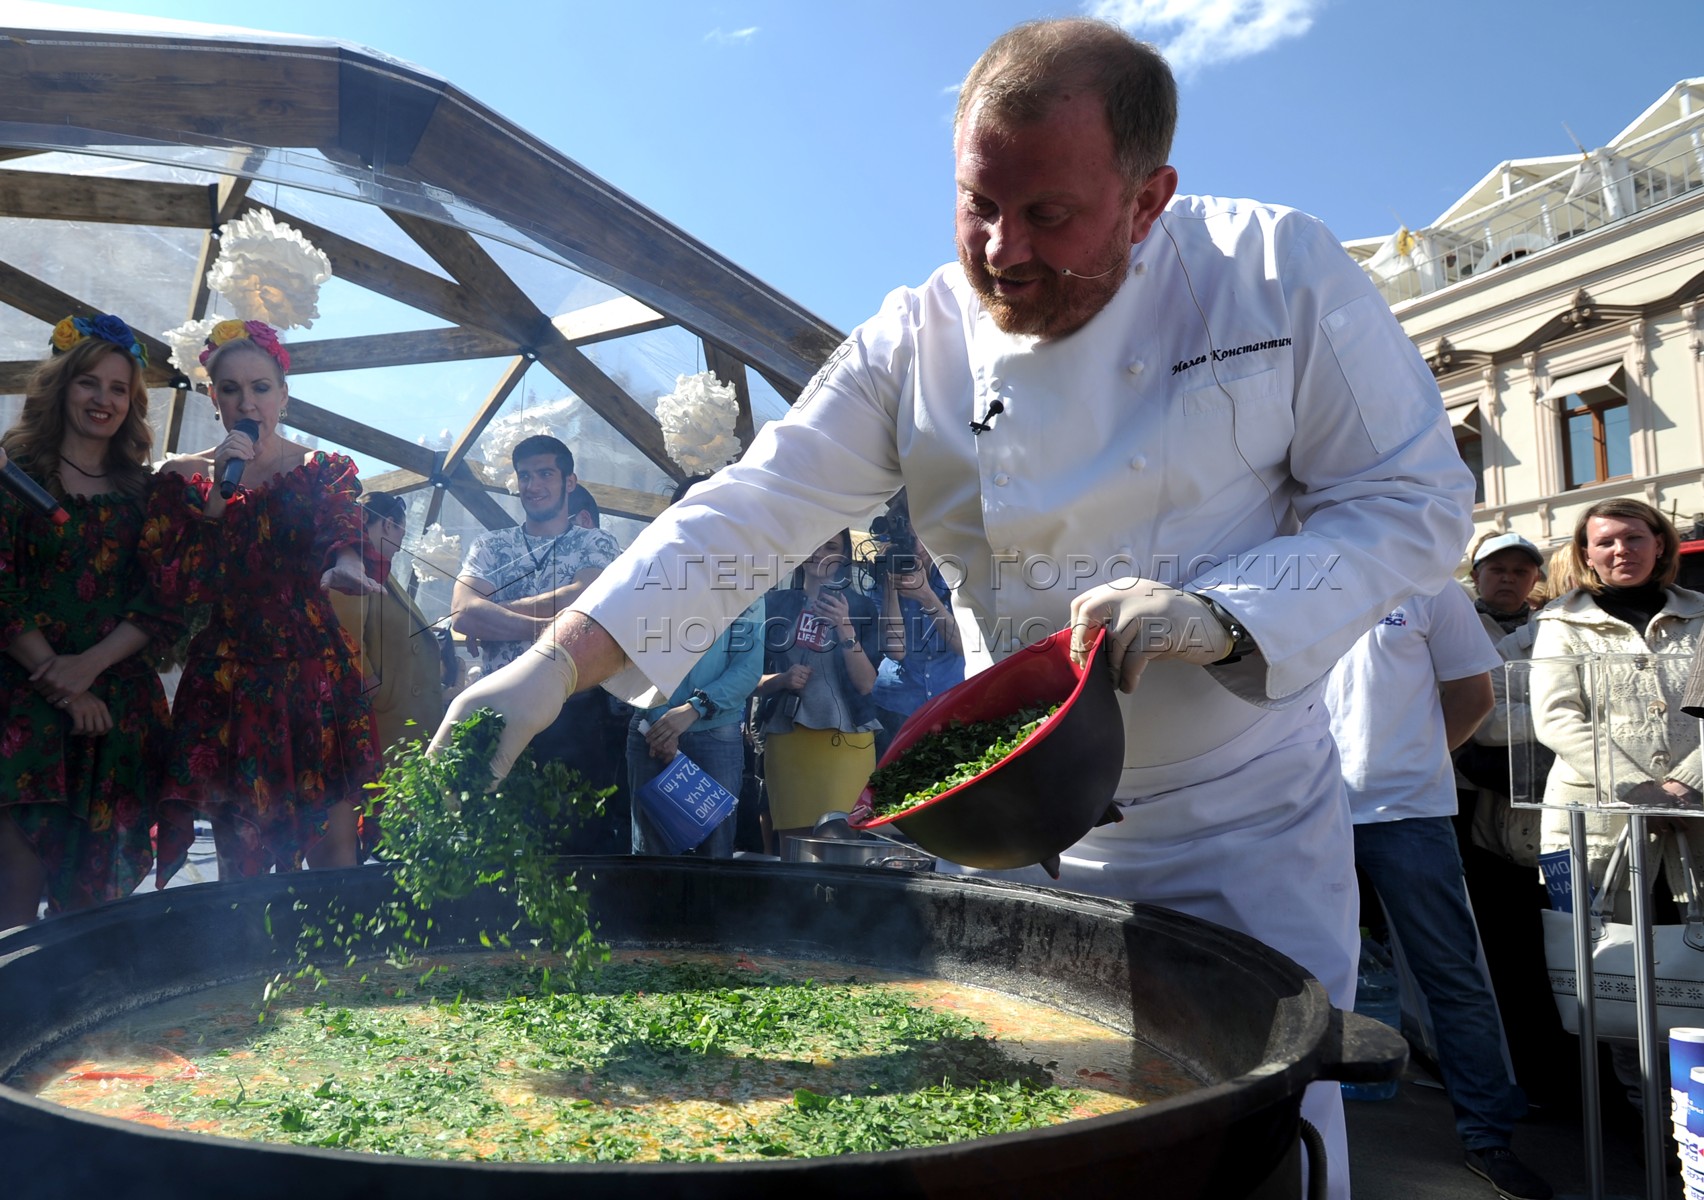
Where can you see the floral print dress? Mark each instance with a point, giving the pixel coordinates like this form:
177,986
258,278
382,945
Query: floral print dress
270,727
83,804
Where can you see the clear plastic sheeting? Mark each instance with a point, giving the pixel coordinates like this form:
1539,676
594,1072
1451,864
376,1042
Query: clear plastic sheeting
1601,733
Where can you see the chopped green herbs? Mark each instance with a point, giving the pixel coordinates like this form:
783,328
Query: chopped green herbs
444,836
670,1061
942,760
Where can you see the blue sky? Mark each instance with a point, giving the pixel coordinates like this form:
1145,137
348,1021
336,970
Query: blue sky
809,140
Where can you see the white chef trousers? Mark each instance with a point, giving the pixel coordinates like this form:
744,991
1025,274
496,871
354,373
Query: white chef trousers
1261,844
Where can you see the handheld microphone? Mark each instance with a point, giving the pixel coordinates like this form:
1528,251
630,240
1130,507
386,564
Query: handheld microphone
31,494
995,408
233,473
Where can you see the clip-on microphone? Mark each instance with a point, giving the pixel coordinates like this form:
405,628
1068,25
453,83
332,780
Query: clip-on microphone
995,408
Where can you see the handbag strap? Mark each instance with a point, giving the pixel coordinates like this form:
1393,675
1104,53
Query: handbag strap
1620,862
1620,859
1694,935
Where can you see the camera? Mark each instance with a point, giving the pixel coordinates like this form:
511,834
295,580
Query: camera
898,554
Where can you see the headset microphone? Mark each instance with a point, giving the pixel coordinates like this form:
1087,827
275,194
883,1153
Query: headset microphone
1075,275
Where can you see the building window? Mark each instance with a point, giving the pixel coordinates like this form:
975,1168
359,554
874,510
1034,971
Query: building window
1470,444
1597,430
1597,441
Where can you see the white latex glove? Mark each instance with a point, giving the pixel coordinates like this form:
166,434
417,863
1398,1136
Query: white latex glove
1144,621
527,694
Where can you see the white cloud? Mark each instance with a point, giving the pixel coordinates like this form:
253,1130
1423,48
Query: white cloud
738,37
1204,33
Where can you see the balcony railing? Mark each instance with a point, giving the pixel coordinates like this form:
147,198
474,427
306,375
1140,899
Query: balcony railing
1592,194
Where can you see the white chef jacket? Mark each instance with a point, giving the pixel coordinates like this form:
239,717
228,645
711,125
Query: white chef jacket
1245,417
1385,714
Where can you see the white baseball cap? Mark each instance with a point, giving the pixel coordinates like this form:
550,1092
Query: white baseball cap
1508,541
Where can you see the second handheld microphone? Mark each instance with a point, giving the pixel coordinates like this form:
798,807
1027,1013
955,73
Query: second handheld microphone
233,472
33,495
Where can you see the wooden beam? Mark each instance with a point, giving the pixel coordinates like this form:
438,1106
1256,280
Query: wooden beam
396,483
396,349
322,422
459,254
228,195
434,510
229,92
389,118
621,317
786,389
609,236
45,302
606,398
476,498
229,202
15,376
175,408
50,196
378,272
626,502
510,379
731,370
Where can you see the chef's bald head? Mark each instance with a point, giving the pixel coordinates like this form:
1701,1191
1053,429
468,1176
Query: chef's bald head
1030,67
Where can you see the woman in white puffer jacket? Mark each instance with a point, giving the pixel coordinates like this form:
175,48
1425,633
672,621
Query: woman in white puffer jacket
1626,555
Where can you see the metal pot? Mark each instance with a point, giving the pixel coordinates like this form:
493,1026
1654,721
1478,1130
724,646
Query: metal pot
854,852
1249,1023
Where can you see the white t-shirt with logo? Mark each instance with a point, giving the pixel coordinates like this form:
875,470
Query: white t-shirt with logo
1385,715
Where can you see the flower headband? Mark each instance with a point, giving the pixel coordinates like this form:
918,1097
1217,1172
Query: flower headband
103,327
258,332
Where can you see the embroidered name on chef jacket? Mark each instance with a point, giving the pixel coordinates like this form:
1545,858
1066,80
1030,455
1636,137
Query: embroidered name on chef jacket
1185,364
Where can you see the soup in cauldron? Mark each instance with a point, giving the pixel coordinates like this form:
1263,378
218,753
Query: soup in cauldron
660,1057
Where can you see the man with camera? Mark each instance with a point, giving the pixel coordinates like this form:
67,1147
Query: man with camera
922,649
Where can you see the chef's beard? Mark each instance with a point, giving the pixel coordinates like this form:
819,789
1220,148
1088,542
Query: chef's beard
1061,304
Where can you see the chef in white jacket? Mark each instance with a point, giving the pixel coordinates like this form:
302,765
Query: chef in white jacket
1193,421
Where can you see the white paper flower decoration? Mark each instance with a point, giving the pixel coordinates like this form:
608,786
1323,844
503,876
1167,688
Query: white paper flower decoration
441,550
698,422
187,342
269,271
497,446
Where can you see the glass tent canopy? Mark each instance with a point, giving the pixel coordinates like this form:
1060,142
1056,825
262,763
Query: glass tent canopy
484,286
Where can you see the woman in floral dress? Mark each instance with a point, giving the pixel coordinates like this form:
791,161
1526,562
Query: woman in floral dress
83,718
272,738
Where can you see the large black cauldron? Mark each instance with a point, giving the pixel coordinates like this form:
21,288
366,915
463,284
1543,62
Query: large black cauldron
1249,1022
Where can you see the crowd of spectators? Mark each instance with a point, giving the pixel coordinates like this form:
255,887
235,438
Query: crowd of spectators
310,660
1595,724
261,568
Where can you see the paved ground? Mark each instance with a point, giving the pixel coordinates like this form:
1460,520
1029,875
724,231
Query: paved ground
1406,1148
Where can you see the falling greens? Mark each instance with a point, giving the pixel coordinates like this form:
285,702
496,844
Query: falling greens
940,761
444,836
